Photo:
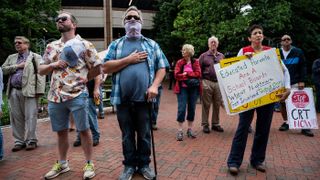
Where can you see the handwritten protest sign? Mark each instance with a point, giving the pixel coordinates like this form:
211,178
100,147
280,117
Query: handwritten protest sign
300,109
251,78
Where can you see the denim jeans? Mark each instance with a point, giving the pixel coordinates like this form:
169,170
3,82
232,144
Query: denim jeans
261,136
187,96
156,105
1,143
93,120
100,106
134,121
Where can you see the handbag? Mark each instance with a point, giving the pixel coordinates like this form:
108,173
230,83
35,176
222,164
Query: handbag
192,82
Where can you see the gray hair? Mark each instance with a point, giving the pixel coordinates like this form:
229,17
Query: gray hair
213,38
132,8
23,38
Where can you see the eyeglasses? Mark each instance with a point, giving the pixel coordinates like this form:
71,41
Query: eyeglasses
62,18
18,42
286,39
130,17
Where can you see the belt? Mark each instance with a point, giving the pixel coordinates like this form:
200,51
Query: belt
18,88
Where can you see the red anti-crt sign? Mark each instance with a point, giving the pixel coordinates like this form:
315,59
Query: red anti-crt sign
300,99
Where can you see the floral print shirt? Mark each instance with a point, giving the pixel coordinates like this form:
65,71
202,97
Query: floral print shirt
69,82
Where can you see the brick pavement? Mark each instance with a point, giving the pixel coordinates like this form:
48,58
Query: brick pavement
290,155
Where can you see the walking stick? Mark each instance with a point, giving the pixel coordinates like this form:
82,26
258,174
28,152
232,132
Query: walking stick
150,107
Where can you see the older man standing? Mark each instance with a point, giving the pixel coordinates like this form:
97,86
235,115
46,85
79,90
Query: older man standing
69,60
210,92
24,85
138,65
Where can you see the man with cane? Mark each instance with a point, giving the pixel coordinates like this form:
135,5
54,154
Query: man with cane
139,66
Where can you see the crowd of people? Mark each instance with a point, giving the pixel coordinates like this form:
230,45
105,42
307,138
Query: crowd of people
138,66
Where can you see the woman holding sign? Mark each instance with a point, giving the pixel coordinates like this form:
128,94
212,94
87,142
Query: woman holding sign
187,73
264,115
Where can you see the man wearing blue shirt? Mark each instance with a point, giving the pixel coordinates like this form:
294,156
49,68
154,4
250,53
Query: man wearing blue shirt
139,66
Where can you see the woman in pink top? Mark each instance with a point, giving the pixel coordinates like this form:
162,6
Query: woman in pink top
187,69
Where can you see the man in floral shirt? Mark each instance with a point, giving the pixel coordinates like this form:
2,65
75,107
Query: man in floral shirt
69,60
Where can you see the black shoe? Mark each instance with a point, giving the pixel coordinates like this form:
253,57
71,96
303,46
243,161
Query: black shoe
217,128
307,132
234,171
77,143
31,146
94,142
259,167
284,127
18,147
206,129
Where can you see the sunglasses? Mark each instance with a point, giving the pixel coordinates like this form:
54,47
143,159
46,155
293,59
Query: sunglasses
130,17
62,18
286,39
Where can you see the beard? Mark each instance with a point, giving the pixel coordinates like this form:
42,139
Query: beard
63,29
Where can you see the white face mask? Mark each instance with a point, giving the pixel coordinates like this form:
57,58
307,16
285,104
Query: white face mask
133,28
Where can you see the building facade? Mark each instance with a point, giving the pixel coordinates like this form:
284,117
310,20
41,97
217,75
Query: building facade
100,21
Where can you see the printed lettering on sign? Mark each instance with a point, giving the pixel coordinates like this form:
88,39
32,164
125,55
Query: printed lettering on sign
300,109
249,83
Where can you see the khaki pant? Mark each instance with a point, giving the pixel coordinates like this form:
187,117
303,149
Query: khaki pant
210,95
23,117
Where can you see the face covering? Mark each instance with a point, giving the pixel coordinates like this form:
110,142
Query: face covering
133,28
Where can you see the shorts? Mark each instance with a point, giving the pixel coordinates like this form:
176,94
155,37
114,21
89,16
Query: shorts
60,113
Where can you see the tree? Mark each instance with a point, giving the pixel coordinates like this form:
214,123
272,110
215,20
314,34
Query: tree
163,26
197,21
30,18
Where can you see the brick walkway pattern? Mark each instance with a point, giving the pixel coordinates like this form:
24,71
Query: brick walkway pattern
290,155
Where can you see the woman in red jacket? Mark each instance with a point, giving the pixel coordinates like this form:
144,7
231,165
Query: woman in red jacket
188,87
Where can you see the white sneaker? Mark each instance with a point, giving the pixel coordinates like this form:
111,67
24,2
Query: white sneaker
57,169
88,171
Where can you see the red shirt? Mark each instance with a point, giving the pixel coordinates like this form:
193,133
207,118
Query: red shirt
178,74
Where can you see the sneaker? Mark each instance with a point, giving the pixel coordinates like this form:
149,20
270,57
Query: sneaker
31,146
147,172
127,173
77,143
154,127
57,169
190,134
88,171
307,132
18,147
180,136
217,128
206,129
284,127
95,142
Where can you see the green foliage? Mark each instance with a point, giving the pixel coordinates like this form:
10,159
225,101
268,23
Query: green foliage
163,26
195,21
5,119
30,18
